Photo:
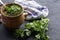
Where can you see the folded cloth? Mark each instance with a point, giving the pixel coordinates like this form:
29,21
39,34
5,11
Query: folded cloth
34,10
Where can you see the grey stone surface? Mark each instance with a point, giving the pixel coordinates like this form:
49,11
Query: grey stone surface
54,16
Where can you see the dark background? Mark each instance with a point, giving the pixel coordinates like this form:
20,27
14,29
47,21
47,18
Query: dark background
54,16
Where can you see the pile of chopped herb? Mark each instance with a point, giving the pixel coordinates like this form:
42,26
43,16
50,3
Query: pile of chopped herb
13,10
37,29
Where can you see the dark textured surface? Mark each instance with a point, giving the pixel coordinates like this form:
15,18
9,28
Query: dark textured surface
54,16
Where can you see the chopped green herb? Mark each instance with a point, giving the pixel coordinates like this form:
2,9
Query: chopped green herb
13,10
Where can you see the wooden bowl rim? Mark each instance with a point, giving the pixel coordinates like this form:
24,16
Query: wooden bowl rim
10,4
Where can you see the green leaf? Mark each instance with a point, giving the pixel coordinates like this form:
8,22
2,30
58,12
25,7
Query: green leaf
28,33
22,34
38,36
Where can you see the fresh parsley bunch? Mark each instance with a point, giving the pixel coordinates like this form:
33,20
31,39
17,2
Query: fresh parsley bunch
37,29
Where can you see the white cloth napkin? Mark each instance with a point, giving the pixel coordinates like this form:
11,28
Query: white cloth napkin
34,10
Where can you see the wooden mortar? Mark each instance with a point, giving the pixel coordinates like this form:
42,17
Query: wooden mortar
12,22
